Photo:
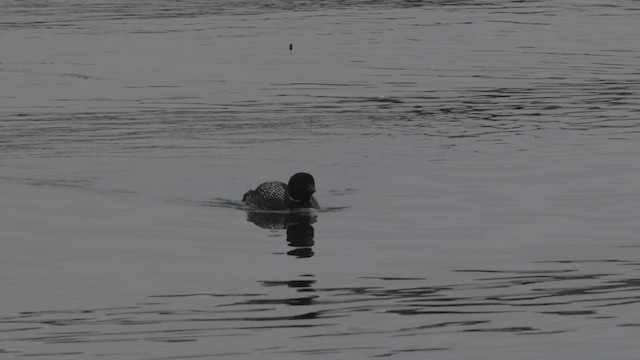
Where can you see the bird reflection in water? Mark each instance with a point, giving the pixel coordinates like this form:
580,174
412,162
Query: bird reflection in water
300,232
305,294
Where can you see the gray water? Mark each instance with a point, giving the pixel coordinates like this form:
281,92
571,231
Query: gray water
477,162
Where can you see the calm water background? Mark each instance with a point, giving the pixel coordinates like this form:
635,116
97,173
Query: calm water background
478,162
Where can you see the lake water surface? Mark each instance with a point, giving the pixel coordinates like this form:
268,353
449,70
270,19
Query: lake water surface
477,162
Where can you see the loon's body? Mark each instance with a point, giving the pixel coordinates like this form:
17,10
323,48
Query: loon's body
276,195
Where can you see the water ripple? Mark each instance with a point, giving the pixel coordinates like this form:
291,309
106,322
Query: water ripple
319,313
76,13
600,108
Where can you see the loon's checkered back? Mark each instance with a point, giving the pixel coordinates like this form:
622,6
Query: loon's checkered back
270,195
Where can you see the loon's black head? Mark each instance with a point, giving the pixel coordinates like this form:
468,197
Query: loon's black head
301,186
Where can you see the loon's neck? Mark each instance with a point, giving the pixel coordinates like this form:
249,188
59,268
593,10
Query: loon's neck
298,204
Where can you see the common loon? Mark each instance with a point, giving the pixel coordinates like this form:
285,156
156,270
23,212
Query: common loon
276,195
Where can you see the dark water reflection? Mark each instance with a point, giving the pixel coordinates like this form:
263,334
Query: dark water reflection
527,300
300,232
